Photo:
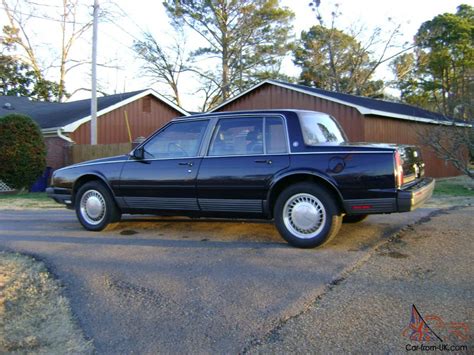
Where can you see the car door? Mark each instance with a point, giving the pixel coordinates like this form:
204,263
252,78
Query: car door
244,153
165,177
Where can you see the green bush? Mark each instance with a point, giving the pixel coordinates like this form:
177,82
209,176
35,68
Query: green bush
22,151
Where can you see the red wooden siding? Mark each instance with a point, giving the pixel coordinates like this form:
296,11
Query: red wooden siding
389,130
274,97
359,128
145,115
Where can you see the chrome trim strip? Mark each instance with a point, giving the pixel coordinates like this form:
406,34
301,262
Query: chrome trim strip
346,152
162,203
79,165
230,205
226,156
243,155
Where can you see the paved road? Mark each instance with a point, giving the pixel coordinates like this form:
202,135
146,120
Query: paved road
430,265
167,285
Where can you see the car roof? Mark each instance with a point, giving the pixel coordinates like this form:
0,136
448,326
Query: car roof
243,112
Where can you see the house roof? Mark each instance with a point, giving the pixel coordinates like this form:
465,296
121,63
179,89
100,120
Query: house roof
70,115
365,105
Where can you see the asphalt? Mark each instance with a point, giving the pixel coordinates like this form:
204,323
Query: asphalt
189,286
429,265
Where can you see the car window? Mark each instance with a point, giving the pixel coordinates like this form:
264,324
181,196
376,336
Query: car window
178,140
237,136
320,129
275,138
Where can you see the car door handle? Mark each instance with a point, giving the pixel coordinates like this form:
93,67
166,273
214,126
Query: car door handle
267,161
186,163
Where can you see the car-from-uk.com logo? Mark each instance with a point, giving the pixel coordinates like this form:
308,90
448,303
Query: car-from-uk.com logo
433,333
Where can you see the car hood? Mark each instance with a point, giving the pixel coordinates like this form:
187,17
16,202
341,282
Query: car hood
117,158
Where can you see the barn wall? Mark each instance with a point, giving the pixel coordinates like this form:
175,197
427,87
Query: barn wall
145,115
275,97
388,130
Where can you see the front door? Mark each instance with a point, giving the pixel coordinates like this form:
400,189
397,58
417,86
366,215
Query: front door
165,179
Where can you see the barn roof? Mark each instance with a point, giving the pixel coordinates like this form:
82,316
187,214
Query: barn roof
365,105
70,115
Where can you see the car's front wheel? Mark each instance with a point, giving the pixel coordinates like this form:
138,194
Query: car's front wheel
306,215
95,206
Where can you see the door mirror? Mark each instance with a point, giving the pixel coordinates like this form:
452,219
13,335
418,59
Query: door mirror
138,153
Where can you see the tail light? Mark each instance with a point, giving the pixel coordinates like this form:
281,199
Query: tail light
398,170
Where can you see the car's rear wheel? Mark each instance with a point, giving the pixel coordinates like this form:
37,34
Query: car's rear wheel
355,218
306,215
95,206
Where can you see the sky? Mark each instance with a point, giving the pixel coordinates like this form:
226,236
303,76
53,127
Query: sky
128,19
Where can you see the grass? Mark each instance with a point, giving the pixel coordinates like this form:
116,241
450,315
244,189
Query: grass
461,186
34,316
27,200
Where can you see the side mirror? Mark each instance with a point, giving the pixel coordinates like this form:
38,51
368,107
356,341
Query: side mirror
138,153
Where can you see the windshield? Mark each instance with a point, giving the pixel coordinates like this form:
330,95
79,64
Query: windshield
320,128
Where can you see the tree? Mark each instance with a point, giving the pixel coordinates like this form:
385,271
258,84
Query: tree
341,61
18,36
18,79
247,37
439,74
164,65
15,77
452,143
22,151
333,60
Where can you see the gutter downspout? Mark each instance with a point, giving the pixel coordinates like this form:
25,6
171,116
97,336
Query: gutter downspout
62,136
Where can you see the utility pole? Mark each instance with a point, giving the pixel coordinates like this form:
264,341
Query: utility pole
94,74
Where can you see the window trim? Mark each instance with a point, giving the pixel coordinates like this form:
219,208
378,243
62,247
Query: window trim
214,132
285,134
198,152
339,126
212,123
216,120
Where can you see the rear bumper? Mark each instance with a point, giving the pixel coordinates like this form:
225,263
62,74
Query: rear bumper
60,195
404,201
416,195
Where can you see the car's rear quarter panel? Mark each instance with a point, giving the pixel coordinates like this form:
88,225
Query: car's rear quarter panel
355,175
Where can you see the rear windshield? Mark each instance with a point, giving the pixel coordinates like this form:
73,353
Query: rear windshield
320,129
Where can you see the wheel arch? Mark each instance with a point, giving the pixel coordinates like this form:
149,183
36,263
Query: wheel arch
282,182
88,177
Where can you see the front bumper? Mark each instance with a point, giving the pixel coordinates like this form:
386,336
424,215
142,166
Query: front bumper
60,195
416,195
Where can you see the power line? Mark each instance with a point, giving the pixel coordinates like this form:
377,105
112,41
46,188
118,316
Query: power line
124,14
45,18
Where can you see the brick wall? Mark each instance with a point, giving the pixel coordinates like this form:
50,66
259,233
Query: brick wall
57,154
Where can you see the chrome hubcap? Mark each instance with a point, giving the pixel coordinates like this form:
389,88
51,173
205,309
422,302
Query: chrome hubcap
304,215
93,207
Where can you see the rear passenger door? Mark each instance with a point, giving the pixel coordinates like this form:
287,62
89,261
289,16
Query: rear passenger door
244,154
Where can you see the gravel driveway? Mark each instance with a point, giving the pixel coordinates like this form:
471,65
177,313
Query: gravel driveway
166,285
